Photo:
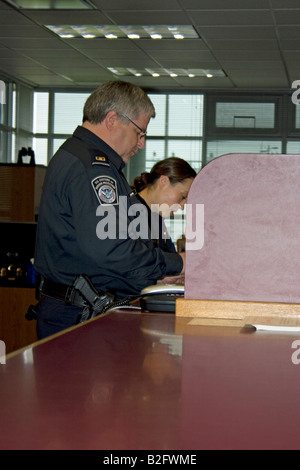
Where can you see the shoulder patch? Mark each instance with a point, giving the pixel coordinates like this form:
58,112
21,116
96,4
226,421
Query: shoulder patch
99,158
106,190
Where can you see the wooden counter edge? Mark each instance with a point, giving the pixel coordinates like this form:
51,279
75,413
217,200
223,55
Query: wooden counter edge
236,310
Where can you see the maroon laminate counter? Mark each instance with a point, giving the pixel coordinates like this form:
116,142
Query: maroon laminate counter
133,380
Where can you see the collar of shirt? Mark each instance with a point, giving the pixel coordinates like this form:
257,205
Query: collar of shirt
89,137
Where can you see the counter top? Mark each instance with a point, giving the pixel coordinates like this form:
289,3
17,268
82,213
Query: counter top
140,381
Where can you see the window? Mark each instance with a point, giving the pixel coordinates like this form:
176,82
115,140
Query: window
245,115
185,115
40,112
179,119
245,124
293,147
256,115
68,111
297,117
216,148
7,121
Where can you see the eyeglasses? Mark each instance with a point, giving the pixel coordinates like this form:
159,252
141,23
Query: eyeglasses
143,133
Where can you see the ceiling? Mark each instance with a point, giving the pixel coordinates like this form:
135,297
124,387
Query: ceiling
256,43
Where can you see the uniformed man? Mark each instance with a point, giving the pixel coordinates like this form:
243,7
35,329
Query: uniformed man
86,221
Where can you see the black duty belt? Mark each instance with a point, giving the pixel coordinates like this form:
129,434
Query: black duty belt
62,292
81,294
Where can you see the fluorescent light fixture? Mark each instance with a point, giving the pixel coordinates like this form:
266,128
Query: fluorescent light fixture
51,4
161,72
131,32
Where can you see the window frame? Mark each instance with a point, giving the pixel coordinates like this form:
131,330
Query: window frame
212,130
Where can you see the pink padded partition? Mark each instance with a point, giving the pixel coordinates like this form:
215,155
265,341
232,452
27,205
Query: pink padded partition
251,249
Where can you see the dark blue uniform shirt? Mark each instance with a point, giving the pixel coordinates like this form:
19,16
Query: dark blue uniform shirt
84,178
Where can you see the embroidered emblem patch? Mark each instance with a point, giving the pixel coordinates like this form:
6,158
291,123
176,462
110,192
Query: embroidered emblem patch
99,157
105,189
100,160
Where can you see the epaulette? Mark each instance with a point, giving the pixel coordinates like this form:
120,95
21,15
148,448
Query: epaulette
87,156
99,158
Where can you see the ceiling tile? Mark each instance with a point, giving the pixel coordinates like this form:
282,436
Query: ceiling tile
12,17
246,45
224,5
233,17
30,43
245,55
67,17
193,56
288,17
169,45
285,4
23,31
289,32
237,32
148,17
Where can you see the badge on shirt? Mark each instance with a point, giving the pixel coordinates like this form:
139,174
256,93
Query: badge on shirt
105,189
99,158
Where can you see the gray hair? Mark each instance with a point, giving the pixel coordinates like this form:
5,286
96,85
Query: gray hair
118,96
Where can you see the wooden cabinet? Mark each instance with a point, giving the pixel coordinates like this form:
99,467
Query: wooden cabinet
20,191
15,330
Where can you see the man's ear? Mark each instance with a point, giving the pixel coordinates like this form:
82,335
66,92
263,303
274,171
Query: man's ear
111,119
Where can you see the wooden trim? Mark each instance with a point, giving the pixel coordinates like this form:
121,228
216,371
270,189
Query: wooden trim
235,310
